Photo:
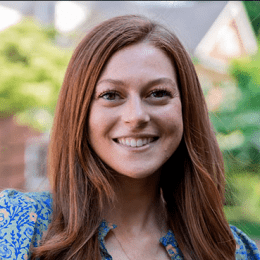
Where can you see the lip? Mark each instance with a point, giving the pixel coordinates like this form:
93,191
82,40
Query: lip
136,136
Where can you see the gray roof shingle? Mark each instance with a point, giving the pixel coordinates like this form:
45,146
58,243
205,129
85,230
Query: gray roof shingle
190,23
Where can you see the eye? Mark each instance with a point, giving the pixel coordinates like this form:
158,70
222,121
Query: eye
110,95
160,93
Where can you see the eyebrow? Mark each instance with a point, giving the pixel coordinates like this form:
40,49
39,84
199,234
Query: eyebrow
149,84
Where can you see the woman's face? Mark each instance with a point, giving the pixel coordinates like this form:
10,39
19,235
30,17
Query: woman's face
135,121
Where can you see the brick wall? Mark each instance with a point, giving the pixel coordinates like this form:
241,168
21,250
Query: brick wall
13,140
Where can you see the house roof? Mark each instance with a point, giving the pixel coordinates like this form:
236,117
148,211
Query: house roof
190,23
231,36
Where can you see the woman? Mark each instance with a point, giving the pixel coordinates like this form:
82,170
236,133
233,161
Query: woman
134,164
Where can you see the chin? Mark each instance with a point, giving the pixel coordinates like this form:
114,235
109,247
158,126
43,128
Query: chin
137,174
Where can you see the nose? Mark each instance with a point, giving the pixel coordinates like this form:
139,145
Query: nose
135,112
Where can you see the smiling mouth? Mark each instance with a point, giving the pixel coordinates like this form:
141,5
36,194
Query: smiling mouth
135,142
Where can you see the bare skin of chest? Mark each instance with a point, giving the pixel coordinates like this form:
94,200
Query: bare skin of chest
135,249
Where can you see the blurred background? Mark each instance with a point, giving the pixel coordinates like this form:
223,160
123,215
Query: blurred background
36,42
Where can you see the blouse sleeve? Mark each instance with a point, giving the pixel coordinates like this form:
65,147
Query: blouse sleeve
246,247
23,219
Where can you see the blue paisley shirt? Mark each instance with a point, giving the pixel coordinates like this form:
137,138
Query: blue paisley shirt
24,217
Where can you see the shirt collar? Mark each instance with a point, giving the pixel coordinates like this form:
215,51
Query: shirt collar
103,229
170,244
168,241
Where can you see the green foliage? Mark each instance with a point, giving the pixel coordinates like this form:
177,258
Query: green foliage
195,60
237,121
13,54
243,189
243,202
32,68
253,10
242,205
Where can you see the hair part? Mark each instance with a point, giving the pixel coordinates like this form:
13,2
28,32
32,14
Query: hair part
82,184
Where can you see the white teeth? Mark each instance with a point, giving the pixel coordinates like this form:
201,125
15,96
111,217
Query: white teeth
132,142
128,142
139,142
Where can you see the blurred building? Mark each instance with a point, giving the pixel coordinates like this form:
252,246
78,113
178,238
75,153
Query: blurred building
213,32
13,141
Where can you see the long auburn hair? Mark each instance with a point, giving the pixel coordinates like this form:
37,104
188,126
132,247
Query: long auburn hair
82,184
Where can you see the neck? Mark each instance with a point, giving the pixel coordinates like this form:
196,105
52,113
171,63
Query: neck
138,204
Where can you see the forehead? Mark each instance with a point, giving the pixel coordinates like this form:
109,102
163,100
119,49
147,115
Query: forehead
139,61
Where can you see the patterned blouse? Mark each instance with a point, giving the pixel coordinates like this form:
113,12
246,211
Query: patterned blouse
25,216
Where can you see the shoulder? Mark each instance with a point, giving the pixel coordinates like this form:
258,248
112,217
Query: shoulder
10,196
246,247
23,219
15,204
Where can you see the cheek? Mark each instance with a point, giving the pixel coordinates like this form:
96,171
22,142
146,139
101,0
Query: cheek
94,124
100,123
170,119
172,127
